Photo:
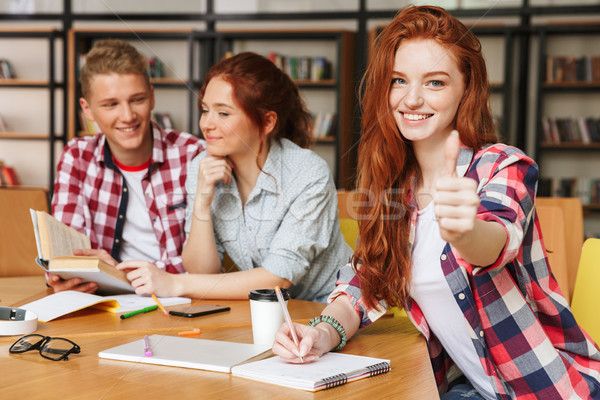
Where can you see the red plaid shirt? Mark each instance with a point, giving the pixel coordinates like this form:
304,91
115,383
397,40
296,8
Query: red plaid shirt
90,194
523,330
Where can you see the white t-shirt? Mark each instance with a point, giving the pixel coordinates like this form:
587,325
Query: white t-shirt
139,239
432,293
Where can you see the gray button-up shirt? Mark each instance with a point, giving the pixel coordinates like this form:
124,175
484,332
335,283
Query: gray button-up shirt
289,224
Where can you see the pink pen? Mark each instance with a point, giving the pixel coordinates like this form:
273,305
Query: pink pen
147,349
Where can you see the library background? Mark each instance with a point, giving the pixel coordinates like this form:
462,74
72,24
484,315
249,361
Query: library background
543,59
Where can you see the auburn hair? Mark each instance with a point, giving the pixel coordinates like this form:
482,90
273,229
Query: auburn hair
387,166
259,87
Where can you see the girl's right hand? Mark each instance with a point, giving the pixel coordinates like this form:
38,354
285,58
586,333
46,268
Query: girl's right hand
313,343
212,169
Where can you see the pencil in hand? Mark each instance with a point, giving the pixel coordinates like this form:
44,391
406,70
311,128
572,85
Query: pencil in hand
288,319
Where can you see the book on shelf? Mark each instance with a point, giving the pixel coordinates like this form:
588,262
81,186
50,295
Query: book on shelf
330,370
155,68
6,69
3,125
323,124
174,351
55,244
8,176
68,301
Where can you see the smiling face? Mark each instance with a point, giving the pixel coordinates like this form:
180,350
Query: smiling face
122,104
227,129
426,90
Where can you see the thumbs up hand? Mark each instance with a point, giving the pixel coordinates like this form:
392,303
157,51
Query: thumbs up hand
456,200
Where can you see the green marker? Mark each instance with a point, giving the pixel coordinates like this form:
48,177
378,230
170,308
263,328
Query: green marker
143,310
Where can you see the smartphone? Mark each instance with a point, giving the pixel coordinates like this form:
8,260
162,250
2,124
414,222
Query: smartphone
197,311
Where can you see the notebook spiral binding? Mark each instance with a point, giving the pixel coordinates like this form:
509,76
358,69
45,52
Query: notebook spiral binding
335,380
378,368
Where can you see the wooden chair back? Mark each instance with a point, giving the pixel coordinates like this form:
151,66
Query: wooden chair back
574,234
17,241
553,231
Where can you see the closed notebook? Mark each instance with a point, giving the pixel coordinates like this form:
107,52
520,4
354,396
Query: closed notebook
332,369
175,351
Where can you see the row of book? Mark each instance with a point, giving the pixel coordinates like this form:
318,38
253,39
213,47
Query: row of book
572,69
8,175
586,189
571,130
323,124
303,68
6,69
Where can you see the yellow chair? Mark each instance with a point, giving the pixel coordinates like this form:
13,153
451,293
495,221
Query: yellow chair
586,302
347,217
573,226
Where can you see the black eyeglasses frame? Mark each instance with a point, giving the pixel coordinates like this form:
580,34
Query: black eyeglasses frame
40,345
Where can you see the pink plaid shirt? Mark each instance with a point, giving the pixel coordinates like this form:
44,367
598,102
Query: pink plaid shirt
521,326
90,194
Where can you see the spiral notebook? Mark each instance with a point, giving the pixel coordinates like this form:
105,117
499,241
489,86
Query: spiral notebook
332,369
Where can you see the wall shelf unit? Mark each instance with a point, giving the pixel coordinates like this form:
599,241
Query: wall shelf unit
510,91
11,113
567,99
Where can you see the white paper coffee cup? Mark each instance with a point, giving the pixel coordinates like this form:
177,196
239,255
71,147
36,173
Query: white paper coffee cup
267,315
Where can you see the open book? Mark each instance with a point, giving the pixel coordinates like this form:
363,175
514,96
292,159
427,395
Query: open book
332,369
68,301
56,242
209,355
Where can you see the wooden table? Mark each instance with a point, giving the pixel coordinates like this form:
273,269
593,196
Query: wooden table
85,376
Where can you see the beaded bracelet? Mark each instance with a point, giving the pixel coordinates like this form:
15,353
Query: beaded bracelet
336,325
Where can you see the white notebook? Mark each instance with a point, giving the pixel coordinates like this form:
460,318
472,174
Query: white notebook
332,369
210,355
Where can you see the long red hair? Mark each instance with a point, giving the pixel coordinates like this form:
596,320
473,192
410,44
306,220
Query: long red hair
387,165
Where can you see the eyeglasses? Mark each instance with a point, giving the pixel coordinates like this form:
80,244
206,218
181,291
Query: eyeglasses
54,349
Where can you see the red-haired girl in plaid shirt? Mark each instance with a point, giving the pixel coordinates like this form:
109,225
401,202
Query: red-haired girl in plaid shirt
450,232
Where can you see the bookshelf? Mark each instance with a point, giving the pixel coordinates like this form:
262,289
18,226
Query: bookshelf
33,46
334,95
205,18
567,148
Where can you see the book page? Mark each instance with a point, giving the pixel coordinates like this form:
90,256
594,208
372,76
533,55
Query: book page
36,232
58,239
61,303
